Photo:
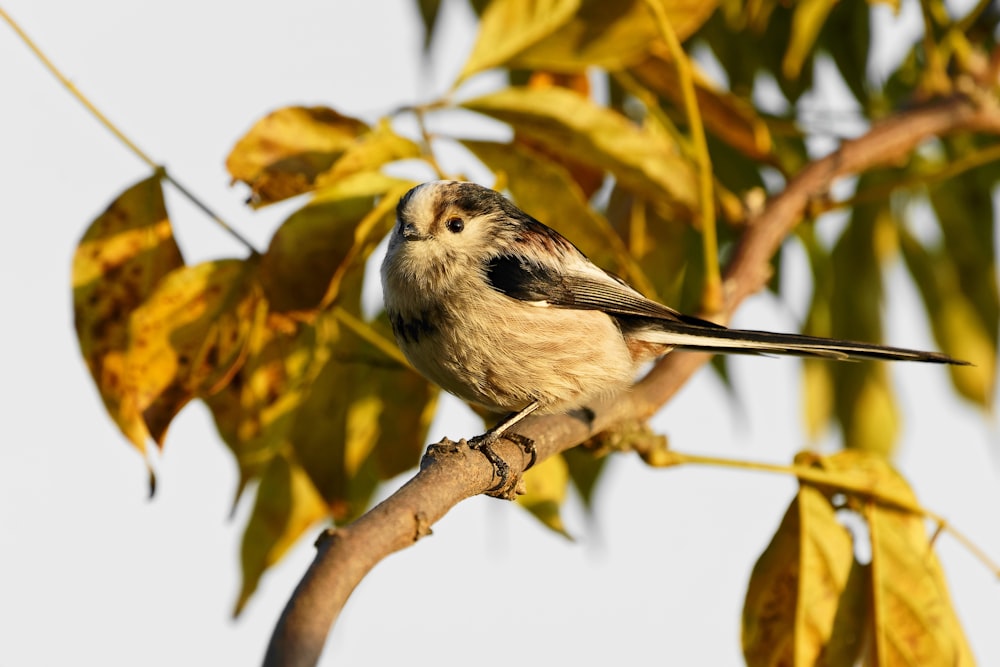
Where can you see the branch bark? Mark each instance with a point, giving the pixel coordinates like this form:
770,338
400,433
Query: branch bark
451,473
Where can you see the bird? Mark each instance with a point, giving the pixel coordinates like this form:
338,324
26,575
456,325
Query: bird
504,312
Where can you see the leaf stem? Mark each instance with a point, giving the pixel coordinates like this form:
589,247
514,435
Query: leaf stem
111,127
818,476
368,333
713,298
425,136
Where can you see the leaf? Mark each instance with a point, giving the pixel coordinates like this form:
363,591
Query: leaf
818,388
508,27
861,472
429,10
546,491
364,419
314,247
846,35
914,622
642,160
806,595
585,468
807,21
957,326
287,505
120,260
189,337
611,35
546,191
589,178
731,118
864,401
283,153
369,152
254,411
570,35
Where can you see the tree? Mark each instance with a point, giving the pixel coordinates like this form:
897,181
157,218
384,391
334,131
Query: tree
271,342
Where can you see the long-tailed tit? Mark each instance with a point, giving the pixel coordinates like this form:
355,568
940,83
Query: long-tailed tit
501,310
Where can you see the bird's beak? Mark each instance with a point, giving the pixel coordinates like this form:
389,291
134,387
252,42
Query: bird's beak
410,233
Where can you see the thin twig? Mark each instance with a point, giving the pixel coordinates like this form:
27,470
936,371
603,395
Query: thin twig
841,482
111,127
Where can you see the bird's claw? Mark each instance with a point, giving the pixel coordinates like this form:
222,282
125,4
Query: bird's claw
484,443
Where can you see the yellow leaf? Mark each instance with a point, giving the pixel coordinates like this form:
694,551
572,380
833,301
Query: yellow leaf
807,21
284,152
287,505
547,192
311,250
189,337
255,410
508,27
120,260
571,36
611,35
731,118
364,419
806,590
566,122
866,473
368,153
546,491
914,622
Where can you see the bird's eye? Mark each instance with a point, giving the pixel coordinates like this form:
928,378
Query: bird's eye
455,225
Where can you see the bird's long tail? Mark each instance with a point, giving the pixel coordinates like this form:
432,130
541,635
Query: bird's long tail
715,338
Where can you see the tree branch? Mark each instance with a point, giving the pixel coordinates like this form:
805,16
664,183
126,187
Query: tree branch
451,473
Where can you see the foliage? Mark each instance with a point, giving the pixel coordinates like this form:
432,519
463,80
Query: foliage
318,406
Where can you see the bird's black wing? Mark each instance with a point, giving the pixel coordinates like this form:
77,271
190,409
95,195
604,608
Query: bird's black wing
588,288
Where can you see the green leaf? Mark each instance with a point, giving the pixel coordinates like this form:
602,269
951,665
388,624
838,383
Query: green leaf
864,400
119,262
965,213
311,251
565,122
364,419
956,323
254,411
287,505
846,35
429,10
806,597
585,468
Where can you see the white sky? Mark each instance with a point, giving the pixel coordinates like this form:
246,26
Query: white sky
91,571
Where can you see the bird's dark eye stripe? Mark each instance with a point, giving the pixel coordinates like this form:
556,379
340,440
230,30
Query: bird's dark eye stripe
455,225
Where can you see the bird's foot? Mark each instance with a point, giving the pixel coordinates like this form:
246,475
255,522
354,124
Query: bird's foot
508,486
